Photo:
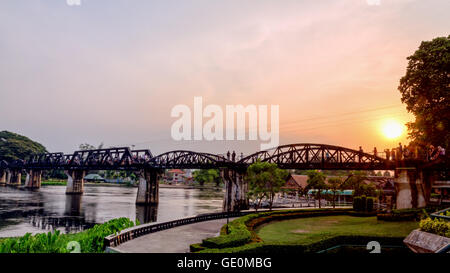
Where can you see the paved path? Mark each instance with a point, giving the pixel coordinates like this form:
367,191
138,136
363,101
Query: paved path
174,240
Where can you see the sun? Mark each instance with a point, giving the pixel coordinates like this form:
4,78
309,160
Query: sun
392,129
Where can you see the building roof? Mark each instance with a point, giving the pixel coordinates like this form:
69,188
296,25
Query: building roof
176,171
93,176
296,181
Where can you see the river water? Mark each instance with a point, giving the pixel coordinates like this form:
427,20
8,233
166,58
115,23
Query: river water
49,208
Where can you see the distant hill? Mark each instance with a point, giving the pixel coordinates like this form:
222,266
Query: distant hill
14,146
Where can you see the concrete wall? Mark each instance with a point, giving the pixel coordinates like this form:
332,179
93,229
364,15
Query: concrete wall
75,181
148,189
410,189
235,198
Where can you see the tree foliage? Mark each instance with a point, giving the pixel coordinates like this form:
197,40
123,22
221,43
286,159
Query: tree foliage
335,184
14,146
206,176
265,180
316,181
425,90
359,183
87,146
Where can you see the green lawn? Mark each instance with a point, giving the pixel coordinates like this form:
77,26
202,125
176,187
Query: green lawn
54,183
314,229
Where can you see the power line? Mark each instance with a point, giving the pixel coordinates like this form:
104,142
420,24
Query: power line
337,124
347,113
354,118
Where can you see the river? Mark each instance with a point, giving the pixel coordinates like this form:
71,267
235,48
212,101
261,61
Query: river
49,208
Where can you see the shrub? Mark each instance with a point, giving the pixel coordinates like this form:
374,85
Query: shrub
363,203
357,203
196,247
91,240
436,226
405,214
309,248
241,229
369,206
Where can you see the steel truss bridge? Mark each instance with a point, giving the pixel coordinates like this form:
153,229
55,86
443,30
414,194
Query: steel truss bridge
292,156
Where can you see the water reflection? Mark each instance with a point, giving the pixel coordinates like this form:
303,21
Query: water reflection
146,213
49,208
73,204
64,224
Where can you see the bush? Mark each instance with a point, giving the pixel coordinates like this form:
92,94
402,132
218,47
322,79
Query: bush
363,203
436,226
196,247
369,206
404,214
281,248
357,203
91,240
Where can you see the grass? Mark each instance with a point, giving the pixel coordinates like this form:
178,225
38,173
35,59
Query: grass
54,183
315,229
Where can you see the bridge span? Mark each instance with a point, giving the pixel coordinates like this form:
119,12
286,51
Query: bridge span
413,177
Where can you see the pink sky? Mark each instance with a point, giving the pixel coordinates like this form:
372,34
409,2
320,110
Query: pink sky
110,71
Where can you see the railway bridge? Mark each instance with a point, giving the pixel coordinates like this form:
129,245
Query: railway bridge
413,177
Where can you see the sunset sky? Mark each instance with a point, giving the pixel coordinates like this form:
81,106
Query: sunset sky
111,70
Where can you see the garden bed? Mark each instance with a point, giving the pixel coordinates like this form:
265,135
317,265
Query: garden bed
244,236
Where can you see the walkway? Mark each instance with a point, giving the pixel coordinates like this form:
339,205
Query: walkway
174,240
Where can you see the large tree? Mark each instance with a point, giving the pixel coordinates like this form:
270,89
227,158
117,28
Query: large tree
14,146
358,182
265,180
334,184
203,176
316,181
425,90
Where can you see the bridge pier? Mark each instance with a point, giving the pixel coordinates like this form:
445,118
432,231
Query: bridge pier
146,213
34,179
2,177
75,181
236,191
14,178
410,188
148,189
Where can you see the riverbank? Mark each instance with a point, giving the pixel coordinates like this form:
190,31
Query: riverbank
48,208
99,184
168,186
54,183
104,184
87,241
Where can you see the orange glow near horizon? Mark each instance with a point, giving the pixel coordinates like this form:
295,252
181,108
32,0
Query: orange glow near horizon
392,129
